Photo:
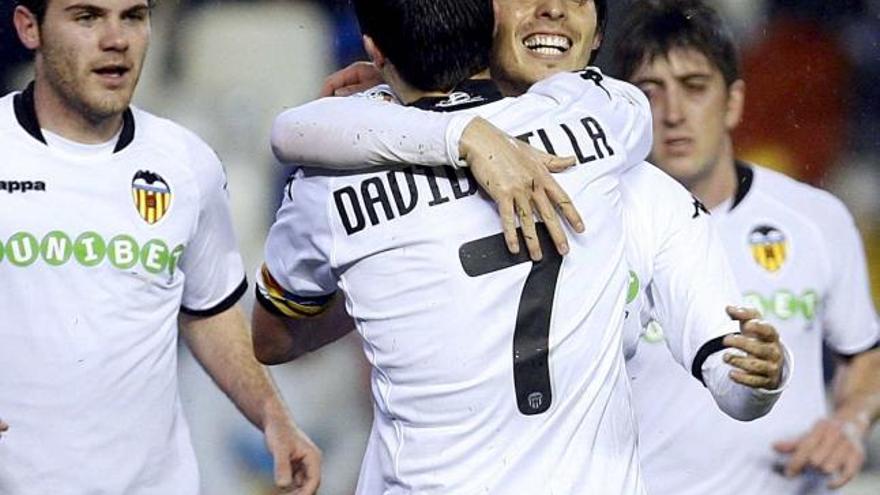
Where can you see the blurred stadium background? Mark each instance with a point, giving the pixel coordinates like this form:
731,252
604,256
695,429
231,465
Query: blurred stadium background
225,68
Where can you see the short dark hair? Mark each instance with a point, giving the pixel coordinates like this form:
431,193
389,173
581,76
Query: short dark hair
653,28
433,44
38,7
601,24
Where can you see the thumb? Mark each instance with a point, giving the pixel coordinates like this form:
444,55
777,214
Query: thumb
559,163
785,446
283,470
740,313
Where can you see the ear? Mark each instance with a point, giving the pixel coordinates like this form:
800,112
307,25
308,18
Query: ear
376,55
27,27
597,41
736,98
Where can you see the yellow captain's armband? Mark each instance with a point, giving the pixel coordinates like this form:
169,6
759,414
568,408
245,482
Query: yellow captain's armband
279,301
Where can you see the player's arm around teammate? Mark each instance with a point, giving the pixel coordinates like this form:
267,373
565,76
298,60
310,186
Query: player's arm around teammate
222,345
516,176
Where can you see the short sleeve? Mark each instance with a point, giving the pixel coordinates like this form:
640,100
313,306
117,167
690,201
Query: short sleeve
297,278
849,317
211,262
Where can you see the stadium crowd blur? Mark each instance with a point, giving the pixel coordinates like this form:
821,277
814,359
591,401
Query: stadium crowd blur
226,68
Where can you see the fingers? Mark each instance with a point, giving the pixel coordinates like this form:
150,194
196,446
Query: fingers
850,467
3,428
785,446
557,164
551,221
740,313
812,450
527,222
753,381
352,79
509,223
770,352
283,471
563,202
309,473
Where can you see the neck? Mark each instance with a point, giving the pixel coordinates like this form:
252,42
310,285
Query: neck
407,93
720,183
60,117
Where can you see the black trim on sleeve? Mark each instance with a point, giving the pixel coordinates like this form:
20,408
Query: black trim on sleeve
220,307
744,177
706,350
849,356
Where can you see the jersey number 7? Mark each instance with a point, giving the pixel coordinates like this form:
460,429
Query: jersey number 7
531,372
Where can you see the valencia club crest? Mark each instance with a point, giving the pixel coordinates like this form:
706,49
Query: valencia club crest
769,247
152,196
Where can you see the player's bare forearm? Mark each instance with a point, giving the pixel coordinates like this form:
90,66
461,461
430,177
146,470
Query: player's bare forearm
222,344
858,391
277,339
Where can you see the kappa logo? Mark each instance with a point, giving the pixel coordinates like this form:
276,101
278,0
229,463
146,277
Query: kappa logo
22,186
460,98
152,196
769,247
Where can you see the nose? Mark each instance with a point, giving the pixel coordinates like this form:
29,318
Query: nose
551,9
114,36
673,111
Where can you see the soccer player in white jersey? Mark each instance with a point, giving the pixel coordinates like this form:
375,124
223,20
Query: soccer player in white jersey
115,222
797,256
690,292
308,276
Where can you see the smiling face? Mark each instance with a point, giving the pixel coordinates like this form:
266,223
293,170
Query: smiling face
535,39
89,53
694,112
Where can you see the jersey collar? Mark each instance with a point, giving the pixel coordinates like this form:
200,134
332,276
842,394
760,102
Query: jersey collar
26,114
468,94
744,177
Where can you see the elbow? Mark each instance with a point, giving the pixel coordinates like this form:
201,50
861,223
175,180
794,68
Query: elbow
278,138
271,352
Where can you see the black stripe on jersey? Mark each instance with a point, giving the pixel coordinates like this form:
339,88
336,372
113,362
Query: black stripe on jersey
228,302
127,134
849,357
706,350
744,177
468,94
26,114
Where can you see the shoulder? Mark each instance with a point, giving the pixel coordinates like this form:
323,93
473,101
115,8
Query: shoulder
813,204
178,141
648,188
588,83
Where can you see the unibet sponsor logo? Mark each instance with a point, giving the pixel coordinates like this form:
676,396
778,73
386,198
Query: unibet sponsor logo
784,304
89,249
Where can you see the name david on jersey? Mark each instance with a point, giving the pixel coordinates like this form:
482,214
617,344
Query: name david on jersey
397,193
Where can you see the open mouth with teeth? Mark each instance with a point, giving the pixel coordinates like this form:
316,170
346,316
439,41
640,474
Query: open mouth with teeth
547,44
112,70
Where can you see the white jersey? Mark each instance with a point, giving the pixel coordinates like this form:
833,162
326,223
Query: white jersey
99,252
491,374
799,259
